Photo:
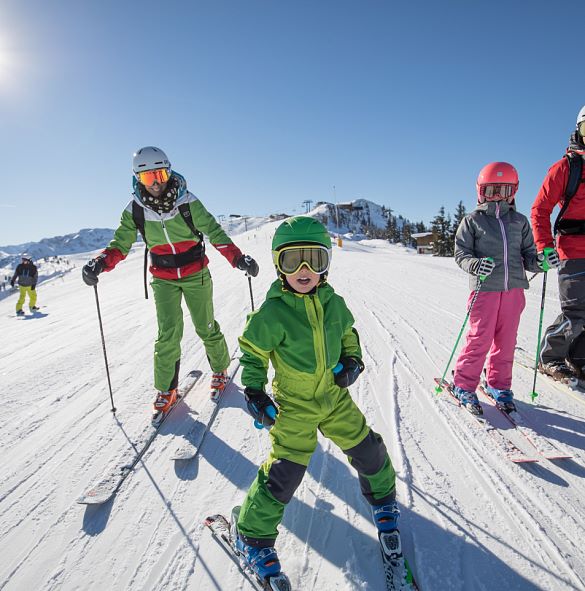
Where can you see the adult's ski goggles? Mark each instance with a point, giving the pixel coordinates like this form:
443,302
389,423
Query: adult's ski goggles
290,259
497,192
149,177
582,129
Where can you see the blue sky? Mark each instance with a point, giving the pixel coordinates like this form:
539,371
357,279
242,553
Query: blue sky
263,104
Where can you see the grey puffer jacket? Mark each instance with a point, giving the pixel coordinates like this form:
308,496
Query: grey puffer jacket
495,229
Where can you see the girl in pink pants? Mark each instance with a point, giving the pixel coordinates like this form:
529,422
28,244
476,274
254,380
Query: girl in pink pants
494,245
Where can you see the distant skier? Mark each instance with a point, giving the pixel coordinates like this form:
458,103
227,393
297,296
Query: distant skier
305,330
564,186
494,241
173,221
26,275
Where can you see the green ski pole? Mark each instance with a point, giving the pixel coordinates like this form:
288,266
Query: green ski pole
545,268
480,280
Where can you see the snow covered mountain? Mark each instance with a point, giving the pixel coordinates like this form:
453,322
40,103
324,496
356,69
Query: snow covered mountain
471,519
356,217
83,241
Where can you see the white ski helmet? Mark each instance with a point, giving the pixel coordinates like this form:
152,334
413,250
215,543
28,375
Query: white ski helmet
581,116
149,158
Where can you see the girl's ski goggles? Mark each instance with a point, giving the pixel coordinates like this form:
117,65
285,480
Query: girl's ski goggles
149,177
290,259
497,192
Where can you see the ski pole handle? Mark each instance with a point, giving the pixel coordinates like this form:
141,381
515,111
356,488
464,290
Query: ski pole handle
271,412
482,278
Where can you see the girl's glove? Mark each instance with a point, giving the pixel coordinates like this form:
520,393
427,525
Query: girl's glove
483,267
261,407
347,374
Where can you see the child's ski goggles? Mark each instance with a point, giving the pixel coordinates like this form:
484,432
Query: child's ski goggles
497,192
149,177
290,259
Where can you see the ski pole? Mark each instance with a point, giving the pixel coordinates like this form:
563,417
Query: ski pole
251,294
534,393
97,302
480,280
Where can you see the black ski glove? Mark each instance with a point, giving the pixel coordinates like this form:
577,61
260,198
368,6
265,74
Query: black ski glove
92,269
248,264
33,287
261,407
352,367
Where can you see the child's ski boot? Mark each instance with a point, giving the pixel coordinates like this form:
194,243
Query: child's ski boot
260,561
20,312
504,398
468,400
398,575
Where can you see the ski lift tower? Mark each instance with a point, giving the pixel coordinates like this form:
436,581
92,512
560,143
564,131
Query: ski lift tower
307,203
338,237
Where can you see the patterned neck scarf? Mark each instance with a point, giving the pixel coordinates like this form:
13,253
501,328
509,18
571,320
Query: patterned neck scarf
165,201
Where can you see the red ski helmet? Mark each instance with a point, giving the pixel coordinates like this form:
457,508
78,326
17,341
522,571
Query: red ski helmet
497,181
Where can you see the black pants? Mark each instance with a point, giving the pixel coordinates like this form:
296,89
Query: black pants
570,322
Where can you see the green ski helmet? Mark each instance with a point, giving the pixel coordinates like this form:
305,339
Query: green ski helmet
299,230
302,231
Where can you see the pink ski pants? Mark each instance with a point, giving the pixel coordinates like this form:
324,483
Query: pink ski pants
493,328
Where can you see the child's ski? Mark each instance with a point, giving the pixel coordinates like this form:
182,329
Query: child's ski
193,439
220,529
503,445
398,574
543,446
105,488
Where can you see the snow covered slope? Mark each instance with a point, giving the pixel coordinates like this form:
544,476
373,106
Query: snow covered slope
470,520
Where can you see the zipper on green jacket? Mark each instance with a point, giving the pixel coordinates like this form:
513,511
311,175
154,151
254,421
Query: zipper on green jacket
318,333
171,244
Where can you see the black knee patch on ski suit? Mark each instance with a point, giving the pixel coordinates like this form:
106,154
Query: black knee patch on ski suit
368,458
284,478
175,380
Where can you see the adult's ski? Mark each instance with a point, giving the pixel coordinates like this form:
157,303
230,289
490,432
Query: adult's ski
502,444
107,486
220,530
192,440
541,444
577,385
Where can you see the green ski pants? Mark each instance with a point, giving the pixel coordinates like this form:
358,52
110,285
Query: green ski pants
197,290
32,296
294,439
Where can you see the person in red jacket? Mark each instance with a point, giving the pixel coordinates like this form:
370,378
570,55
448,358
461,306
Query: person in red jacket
569,247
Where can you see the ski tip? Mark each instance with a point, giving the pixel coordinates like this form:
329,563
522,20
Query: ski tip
523,460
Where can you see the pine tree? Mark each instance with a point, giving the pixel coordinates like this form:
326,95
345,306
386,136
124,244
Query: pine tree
391,227
441,226
459,215
407,234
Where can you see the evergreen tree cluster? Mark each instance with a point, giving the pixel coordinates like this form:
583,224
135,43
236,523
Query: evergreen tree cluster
445,229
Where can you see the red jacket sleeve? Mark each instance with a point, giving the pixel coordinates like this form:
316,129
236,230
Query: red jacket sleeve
552,193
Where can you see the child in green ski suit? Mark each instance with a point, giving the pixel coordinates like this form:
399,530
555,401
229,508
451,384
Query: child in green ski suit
306,331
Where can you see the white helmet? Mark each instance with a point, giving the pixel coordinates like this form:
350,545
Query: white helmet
581,116
149,158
